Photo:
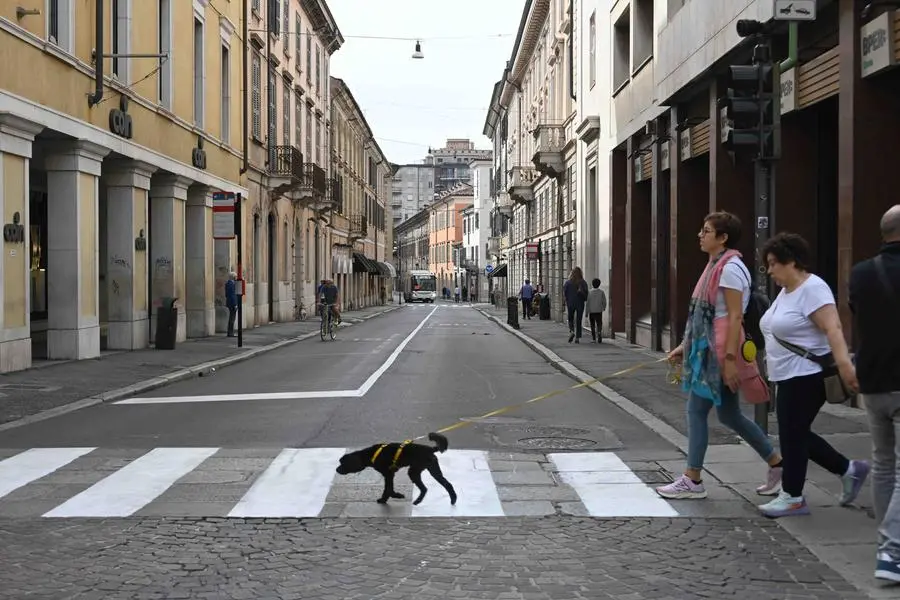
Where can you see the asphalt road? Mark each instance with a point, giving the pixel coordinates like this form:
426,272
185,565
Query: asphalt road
224,486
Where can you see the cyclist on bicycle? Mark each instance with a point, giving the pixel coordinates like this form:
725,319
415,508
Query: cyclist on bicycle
329,296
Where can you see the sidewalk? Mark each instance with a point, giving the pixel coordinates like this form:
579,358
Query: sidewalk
55,387
843,538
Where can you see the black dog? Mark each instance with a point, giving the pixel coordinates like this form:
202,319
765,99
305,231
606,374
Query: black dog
387,459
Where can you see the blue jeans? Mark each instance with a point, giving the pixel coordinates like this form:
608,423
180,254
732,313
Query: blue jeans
730,415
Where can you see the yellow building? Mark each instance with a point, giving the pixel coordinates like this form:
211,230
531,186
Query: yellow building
359,232
291,188
107,176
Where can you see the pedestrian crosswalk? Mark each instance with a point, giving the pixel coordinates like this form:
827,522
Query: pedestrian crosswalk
302,482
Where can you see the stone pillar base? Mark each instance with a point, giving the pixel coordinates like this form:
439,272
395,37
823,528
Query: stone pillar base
73,344
15,355
201,322
128,335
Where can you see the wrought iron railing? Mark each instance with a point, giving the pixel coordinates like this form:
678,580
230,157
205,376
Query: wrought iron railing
286,161
336,194
314,177
359,225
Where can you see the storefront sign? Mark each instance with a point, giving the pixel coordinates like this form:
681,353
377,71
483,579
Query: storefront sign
224,211
198,154
532,250
685,142
788,91
877,39
119,120
638,168
14,233
664,149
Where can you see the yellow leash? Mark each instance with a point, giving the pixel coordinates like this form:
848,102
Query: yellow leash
506,409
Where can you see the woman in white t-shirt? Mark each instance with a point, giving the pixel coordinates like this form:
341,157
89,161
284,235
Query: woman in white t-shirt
803,314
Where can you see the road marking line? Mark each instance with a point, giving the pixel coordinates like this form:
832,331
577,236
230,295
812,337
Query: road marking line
357,393
611,488
477,493
28,466
134,486
292,485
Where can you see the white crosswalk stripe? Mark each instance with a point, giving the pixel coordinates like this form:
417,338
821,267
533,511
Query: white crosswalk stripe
301,482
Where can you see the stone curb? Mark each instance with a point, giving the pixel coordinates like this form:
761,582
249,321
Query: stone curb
655,424
154,383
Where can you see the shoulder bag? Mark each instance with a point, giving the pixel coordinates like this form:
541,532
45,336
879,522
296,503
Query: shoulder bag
836,391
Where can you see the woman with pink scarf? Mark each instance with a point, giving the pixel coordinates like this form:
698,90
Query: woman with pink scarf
713,368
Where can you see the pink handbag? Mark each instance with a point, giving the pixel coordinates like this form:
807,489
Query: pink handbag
753,387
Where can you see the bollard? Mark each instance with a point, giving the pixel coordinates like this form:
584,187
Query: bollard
512,312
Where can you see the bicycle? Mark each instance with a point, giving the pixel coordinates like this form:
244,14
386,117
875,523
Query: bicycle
327,327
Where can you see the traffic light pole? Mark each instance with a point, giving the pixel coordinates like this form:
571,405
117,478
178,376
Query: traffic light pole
764,195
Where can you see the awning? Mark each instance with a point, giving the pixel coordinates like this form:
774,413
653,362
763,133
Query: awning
341,265
499,271
387,269
361,264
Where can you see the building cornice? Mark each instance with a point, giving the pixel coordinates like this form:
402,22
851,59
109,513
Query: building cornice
324,24
530,32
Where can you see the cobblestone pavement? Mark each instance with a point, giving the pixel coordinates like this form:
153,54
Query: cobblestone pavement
558,558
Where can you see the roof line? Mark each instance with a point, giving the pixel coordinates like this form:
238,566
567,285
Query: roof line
342,85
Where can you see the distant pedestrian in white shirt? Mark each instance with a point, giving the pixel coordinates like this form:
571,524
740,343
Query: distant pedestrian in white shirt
596,305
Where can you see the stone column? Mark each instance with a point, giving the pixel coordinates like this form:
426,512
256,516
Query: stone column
200,266
127,185
16,137
168,194
73,172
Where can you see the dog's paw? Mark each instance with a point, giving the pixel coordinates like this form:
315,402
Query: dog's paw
397,495
453,501
382,501
417,501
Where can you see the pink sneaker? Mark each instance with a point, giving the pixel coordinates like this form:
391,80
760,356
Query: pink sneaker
682,489
773,483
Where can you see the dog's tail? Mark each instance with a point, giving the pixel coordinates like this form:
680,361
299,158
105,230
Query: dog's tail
440,440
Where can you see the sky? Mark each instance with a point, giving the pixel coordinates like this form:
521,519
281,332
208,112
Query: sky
413,104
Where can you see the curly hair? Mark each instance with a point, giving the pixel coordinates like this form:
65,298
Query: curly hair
786,248
725,223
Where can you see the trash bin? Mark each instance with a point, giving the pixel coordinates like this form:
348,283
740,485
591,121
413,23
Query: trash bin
512,312
166,324
545,307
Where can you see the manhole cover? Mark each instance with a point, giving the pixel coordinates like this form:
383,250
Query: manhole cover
550,431
566,443
496,420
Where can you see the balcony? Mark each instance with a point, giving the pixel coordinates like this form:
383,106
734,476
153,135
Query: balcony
359,227
285,169
315,182
334,196
519,184
503,204
549,140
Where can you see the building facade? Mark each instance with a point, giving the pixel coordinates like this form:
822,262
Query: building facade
108,169
532,122
477,228
291,186
661,165
451,163
412,240
413,189
446,236
358,231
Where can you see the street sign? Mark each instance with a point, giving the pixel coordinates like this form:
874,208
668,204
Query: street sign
795,10
488,268
223,216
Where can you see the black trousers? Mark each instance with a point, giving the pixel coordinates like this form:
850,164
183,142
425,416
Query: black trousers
596,325
797,402
232,313
526,307
576,315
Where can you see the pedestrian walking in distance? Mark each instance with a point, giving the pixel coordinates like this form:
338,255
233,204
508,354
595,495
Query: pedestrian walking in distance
231,301
575,293
803,315
875,303
711,373
526,293
596,305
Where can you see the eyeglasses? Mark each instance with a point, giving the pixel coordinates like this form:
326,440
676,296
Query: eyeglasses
707,231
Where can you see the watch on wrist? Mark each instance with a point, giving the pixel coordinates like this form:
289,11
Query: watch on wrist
730,357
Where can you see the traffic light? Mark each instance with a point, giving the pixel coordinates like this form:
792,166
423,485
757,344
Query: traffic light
749,111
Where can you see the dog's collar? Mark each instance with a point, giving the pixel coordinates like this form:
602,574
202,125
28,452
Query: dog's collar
396,454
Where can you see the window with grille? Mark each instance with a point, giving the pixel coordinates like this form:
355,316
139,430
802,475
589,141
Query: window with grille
285,33
298,120
256,85
273,110
297,37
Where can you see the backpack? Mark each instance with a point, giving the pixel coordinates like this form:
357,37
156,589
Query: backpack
756,307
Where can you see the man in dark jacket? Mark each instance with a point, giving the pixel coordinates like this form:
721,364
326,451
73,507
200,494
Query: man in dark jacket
231,301
875,302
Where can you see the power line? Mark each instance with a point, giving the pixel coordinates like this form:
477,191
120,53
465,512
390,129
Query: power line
396,38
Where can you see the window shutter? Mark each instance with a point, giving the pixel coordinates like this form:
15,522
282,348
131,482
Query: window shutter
274,17
257,97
